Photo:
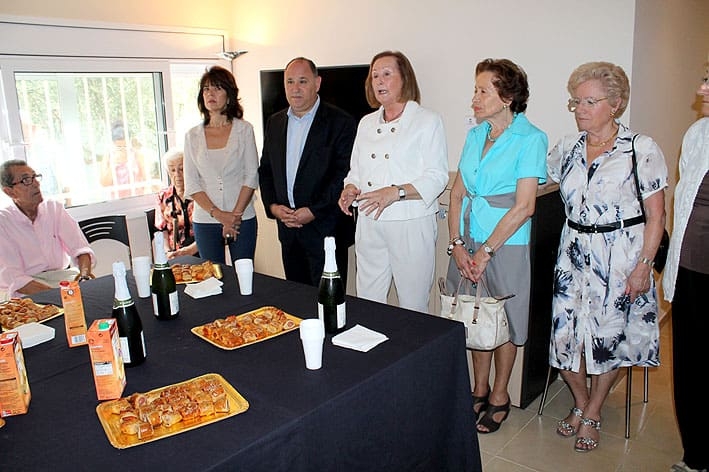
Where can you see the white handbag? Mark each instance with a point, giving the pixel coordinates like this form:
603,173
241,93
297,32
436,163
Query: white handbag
485,319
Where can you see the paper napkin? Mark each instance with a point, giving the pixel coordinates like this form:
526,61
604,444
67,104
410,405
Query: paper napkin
32,334
359,338
206,288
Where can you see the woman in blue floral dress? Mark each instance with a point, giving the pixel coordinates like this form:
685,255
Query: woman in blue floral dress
604,312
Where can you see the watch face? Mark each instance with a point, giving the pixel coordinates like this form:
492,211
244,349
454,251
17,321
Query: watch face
402,193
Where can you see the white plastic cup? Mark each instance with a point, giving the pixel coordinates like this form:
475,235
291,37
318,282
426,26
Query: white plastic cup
141,273
245,274
312,335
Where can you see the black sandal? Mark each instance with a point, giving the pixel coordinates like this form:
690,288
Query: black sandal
488,420
482,402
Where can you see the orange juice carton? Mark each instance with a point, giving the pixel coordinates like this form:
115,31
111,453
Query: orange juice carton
74,318
106,360
14,386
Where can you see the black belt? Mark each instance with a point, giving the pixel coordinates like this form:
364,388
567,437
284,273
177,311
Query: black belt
607,227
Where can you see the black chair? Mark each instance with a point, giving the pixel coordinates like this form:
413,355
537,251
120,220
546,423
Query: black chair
150,219
110,227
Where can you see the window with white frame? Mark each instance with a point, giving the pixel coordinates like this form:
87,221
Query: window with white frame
96,127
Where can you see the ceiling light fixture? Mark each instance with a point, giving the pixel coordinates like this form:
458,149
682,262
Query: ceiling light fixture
231,55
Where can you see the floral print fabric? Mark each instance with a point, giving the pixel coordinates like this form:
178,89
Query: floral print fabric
593,320
171,206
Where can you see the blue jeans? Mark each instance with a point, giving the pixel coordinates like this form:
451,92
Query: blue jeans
211,243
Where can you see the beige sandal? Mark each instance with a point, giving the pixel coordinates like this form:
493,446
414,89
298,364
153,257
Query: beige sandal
584,444
566,429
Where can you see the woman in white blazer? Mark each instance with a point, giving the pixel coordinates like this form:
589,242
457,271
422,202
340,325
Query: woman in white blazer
221,171
398,169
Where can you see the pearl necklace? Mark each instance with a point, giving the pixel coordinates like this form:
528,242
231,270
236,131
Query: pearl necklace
489,133
603,143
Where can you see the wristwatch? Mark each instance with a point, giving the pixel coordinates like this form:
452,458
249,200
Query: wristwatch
489,250
402,192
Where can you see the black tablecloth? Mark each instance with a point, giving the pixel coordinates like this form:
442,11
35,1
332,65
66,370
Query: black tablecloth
403,406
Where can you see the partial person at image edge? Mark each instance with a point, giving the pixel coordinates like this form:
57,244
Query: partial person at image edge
684,283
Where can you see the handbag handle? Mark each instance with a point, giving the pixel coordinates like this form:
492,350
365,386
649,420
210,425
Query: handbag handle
640,198
635,177
476,306
454,303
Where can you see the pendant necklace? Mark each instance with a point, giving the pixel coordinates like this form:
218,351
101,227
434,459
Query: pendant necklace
398,115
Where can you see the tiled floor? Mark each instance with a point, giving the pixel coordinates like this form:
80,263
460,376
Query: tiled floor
528,442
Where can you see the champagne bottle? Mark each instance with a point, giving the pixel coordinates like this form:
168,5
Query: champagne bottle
166,305
130,328
331,296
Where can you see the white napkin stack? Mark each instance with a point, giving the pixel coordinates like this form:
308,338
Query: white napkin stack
32,334
359,338
206,288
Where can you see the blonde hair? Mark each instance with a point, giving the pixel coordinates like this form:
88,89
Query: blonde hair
612,79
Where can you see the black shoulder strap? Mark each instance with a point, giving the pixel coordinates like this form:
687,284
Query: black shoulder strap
637,183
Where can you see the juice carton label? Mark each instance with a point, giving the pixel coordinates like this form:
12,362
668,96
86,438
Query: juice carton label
14,386
74,318
106,360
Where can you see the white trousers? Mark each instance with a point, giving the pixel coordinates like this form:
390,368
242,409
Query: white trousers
402,250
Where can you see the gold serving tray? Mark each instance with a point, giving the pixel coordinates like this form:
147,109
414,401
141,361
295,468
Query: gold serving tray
111,421
197,330
51,317
216,268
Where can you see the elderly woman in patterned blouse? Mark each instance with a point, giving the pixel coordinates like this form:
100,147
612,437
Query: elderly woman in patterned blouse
173,211
604,313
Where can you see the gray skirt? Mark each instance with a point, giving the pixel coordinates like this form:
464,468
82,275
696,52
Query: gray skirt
507,272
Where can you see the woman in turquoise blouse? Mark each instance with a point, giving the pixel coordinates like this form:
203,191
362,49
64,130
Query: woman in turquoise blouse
492,200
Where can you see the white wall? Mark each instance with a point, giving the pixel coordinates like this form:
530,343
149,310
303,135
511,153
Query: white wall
670,54
444,40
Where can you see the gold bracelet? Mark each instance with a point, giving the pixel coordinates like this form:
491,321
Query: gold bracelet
647,261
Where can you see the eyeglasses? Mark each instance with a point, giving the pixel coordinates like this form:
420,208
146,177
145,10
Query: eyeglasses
590,102
29,180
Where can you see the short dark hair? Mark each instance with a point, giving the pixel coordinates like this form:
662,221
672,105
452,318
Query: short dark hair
409,86
118,131
509,80
223,78
6,176
311,64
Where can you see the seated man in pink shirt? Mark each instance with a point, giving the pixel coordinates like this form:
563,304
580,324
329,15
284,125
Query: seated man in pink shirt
39,238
